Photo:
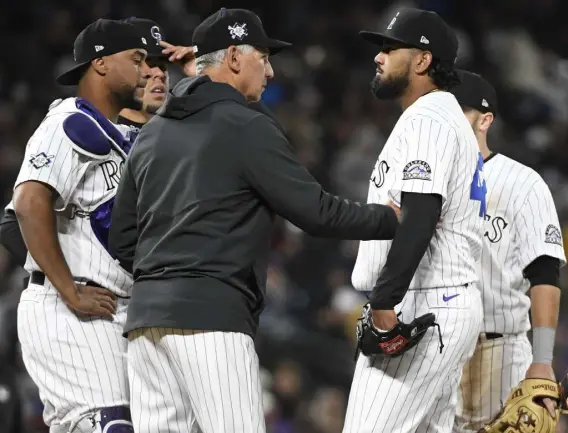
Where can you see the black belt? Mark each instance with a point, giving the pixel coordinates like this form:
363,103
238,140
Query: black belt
38,278
492,335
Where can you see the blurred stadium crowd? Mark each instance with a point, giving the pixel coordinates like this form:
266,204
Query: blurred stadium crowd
321,96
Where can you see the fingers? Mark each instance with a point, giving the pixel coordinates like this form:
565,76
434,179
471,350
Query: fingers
104,292
107,307
166,44
550,406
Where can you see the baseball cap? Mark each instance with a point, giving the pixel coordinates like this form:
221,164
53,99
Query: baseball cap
420,29
152,32
475,92
228,27
104,37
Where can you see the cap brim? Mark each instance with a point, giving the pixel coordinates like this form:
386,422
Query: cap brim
73,75
274,45
378,38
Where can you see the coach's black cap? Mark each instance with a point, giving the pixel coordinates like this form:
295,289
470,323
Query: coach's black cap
228,27
102,38
421,29
475,92
152,32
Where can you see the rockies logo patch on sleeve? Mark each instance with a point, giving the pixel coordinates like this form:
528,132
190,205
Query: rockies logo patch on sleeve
552,235
41,160
419,170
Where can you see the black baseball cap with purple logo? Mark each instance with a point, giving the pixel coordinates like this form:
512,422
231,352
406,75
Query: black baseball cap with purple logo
228,27
104,37
417,28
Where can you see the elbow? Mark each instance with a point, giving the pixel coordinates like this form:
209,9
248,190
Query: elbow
29,198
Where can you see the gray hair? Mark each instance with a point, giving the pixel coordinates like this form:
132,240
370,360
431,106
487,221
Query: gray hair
216,58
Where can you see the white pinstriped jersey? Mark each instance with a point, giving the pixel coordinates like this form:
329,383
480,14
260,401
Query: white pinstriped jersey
85,184
431,150
521,225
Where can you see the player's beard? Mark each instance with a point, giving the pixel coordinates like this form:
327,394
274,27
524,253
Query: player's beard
389,87
126,97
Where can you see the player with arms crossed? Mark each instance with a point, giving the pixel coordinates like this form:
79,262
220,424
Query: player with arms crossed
432,169
70,317
521,256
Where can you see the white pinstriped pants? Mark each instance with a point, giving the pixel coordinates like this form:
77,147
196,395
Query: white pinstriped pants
417,392
496,367
78,365
194,382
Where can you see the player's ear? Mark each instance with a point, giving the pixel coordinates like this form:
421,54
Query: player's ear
234,58
422,62
100,66
486,121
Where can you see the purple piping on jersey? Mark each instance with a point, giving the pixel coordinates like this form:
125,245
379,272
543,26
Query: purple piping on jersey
104,123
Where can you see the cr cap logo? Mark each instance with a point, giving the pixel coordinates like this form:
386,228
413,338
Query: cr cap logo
155,32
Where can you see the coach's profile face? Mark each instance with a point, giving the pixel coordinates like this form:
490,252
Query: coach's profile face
396,63
252,71
126,75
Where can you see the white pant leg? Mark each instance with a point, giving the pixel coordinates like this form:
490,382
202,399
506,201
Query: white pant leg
78,364
213,375
417,391
496,367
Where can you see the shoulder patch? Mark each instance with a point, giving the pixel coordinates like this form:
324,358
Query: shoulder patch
87,136
419,170
552,235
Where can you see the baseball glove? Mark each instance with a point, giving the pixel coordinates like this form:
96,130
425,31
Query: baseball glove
395,342
523,412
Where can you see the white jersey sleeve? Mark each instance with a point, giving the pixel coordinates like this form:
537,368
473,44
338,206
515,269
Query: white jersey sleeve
427,150
50,159
538,228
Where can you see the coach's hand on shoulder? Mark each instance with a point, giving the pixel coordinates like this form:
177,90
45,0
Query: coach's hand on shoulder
543,371
93,301
384,320
182,56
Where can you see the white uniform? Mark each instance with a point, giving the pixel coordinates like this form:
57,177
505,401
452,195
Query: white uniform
78,364
431,150
521,225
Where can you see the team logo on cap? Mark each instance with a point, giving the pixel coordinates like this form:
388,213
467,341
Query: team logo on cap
392,21
484,102
155,32
417,170
238,31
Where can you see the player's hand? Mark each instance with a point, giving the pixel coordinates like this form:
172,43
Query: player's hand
543,371
384,320
182,56
93,301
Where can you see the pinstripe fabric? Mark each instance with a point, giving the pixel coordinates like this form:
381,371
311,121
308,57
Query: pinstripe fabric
417,392
199,382
81,182
496,367
78,364
520,210
431,135
520,214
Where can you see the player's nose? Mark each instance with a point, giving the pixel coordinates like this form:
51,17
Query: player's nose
380,58
145,70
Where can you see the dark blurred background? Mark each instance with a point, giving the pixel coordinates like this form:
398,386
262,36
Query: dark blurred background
321,95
